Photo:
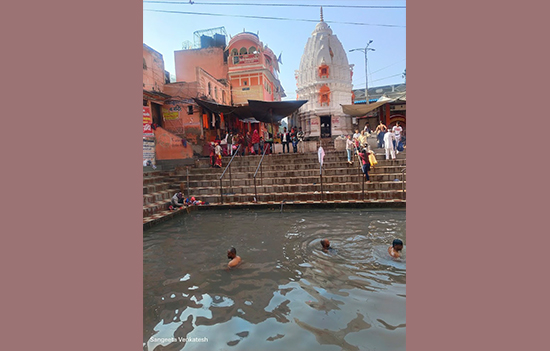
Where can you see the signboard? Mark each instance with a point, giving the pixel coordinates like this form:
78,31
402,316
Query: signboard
170,116
246,59
148,151
147,121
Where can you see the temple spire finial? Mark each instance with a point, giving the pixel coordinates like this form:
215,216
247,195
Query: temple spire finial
322,14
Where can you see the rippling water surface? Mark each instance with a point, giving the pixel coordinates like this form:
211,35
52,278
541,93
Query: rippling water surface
287,294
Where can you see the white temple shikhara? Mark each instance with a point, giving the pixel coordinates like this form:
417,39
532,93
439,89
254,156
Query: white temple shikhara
325,80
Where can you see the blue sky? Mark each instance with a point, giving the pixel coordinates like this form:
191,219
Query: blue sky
165,32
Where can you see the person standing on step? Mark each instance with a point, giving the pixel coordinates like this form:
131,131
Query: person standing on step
230,143
218,152
381,130
397,130
300,136
363,139
212,152
294,139
389,138
367,129
285,138
256,141
357,134
350,146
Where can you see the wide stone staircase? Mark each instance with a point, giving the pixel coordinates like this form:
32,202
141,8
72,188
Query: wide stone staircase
283,179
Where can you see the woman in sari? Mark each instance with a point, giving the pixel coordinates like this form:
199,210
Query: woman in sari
218,160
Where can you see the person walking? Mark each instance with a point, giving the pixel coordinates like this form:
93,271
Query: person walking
389,138
364,156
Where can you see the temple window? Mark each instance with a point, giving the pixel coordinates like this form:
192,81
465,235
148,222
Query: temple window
324,96
252,50
323,71
242,51
234,52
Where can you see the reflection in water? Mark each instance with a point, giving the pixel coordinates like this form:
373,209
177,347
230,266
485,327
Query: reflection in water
287,293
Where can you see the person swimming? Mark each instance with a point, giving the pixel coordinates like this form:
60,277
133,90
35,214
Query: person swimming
326,245
232,255
395,249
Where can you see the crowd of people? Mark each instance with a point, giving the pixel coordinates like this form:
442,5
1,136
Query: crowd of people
392,140
252,144
294,137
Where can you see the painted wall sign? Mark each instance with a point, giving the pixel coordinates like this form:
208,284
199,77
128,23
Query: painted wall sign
148,151
246,59
147,121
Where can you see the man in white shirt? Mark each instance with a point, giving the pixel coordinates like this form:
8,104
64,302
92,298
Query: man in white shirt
389,138
397,130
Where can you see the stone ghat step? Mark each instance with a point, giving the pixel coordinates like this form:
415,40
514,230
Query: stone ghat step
253,163
287,174
154,180
347,178
301,157
297,188
287,167
329,196
155,207
157,187
308,203
164,195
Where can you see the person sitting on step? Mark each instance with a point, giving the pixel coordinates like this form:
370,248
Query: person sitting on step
177,200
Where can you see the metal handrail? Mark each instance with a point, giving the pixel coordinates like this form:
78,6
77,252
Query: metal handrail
225,170
321,176
403,194
187,185
261,175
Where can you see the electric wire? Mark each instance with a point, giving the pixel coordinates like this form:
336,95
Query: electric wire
273,18
278,5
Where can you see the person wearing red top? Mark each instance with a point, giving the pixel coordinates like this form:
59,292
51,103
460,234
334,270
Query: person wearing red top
364,155
256,141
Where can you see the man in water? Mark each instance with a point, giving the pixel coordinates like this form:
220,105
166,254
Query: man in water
232,255
395,249
326,245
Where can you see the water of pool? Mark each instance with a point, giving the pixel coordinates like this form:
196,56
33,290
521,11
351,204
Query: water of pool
287,293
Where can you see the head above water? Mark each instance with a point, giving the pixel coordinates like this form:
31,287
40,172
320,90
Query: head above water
397,244
231,253
325,243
